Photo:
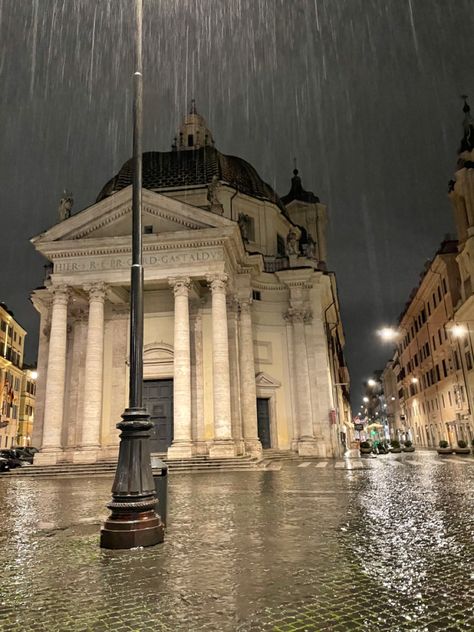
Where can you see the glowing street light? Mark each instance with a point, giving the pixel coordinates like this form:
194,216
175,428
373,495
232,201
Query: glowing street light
458,331
371,382
388,334
414,380
365,400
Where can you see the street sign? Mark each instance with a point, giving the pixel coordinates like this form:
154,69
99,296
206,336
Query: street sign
358,427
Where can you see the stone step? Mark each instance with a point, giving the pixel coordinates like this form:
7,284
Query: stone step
108,468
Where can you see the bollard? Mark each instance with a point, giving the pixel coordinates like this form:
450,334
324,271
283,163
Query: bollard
160,477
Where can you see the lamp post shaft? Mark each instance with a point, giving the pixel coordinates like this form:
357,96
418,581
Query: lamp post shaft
133,521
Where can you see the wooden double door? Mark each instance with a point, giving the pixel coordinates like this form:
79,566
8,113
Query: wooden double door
158,400
263,422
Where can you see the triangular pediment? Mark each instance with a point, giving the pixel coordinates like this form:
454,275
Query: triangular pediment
263,380
112,217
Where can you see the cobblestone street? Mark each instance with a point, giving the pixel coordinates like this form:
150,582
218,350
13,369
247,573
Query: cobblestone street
385,545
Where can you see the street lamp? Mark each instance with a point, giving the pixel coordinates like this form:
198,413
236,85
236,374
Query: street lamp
133,521
371,382
365,400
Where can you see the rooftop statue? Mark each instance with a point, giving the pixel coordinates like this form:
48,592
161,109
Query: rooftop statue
65,206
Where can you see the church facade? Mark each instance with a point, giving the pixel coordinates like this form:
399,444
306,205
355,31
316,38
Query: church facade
243,340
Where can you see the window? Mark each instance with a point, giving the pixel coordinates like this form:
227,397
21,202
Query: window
423,315
445,287
429,310
434,343
439,294
256,295
148,229
456,361
445,369
442,400
3,325
190,140
438,377
439,337
434,301
281,246
250,228
450,400
469,361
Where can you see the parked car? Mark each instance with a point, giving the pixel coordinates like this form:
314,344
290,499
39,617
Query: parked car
12,458
4,466
23,454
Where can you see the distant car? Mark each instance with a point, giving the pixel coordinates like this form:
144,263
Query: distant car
12,458
4,466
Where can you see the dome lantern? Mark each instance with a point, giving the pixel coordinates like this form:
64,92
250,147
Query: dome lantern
194,132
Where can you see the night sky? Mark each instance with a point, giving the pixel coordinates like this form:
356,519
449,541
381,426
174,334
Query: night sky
364,93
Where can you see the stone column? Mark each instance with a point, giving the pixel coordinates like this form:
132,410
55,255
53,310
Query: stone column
223,445
234,372
182,447
76,382
51,447
42,368
92,416
248,391
306,443
197,380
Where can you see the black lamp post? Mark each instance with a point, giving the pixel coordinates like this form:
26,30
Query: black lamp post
133,521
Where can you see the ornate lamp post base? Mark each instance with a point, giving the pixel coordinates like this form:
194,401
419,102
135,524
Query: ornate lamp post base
133,521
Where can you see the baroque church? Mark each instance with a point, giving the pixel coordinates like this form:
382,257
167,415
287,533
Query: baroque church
243,340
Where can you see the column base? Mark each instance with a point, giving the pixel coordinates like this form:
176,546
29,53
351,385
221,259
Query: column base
308,447
201,448
181,450
222,450
253,447
85,455
48,457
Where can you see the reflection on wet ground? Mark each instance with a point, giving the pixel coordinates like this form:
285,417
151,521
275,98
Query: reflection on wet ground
386,547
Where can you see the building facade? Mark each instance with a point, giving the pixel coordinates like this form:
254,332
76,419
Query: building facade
24,435
12,342
461,191
242,340
431,360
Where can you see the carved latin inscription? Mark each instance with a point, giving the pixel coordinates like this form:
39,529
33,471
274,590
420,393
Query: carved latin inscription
124,262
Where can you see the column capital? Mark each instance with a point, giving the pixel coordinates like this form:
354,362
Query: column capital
180,285
96,291
298,315
217,282
60,294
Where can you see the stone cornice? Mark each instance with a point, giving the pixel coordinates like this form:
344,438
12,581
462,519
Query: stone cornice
151,243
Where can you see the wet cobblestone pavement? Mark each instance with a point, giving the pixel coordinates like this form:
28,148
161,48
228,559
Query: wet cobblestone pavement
387,545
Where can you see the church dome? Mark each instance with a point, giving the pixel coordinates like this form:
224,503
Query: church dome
194,161
180,169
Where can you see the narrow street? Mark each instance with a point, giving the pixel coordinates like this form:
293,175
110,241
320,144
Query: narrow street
386,545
